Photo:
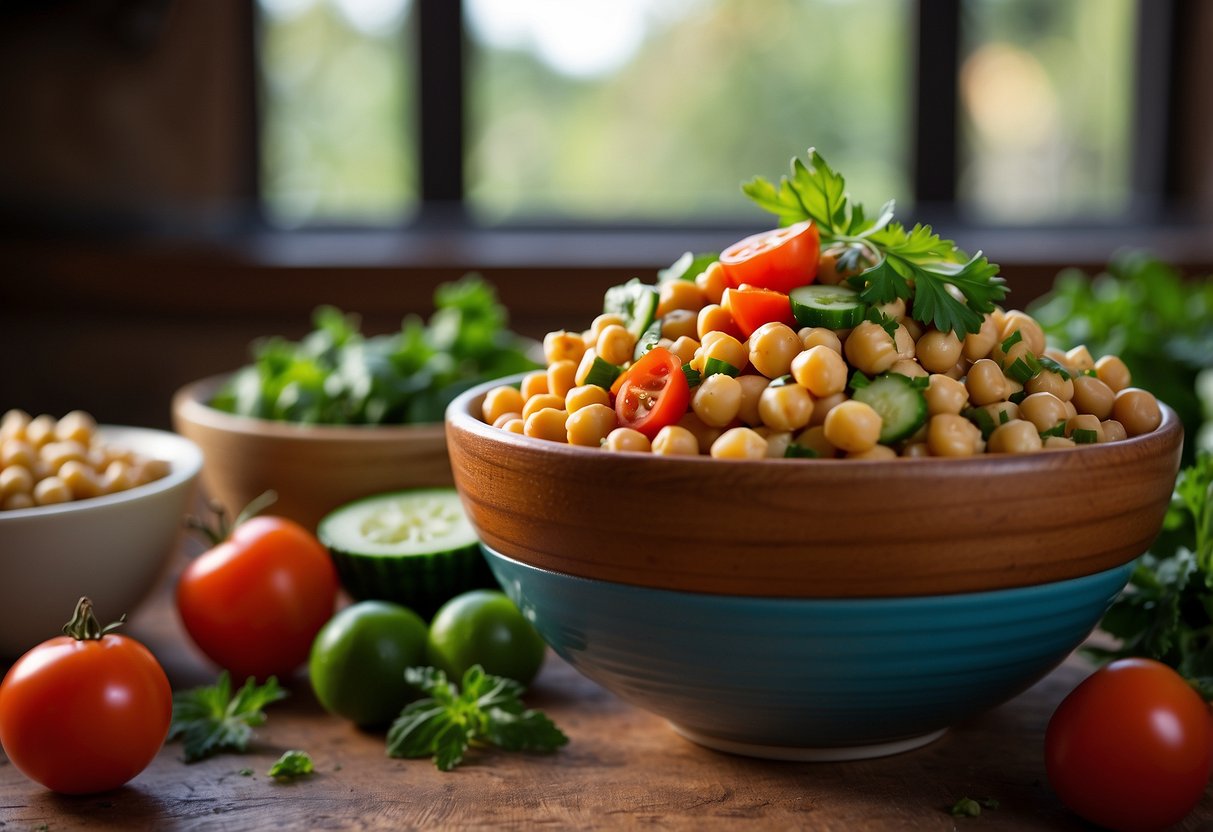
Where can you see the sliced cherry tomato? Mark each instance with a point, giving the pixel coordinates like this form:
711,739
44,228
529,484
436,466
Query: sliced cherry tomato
652,393
751,308
256,601
1131,747
84,712
781,259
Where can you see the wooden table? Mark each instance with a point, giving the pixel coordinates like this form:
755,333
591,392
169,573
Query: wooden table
623,769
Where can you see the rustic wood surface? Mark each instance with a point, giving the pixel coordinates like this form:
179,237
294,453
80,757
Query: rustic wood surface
623,769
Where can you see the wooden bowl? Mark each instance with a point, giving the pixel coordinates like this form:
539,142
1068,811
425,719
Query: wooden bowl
812,528
314,468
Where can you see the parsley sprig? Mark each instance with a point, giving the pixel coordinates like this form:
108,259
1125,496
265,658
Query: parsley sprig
914,265
484,709
209,719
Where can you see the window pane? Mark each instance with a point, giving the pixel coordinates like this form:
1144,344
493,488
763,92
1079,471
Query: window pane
1046,95
659,109
337,139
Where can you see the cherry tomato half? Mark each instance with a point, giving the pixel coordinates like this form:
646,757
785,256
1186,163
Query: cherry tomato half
1131,747
652,393
781,259
85,712
256,601
751,308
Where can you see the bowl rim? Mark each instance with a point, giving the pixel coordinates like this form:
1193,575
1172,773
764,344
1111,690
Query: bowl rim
459,416
189,405
186,462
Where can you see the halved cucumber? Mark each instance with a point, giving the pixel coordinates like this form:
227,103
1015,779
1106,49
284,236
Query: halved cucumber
833,307
416,548
900,403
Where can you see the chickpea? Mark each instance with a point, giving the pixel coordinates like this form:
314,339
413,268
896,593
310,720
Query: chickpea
563,345
505,418
827,268
715,318
18,452
821,370
547,423
1079,359
1029,330
904,343
739,443
985,382
51,490
914,328
908,367
680,323
777,441
534,383
1137,411
602,322
679,294
15,501
1001,412
869,349
675,440
584,396
562,377
1018,351
875,452
704,433
1044,410
949,434
977,345
515,426
540,401
712,282
15,479
684,348
916,450
1060,357
726,348
615,345
814,438
40,430
116,477
76,426
938,351
945,395
894,309
960,370
772,348
1015,437
583,369
812,336
1113,431
837,263
785,406
717,400
1071,410
504,399
1087,423
1113,372
13,424
627,439
1093,396
1047,381
590,425
852,426
81,480
1058,443
751,390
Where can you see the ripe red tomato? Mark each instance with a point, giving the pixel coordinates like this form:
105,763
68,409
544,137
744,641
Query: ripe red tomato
85,712
1131,747
652,393
781,259
751,308
256,601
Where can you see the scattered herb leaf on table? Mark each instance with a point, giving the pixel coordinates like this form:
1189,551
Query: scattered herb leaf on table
209,719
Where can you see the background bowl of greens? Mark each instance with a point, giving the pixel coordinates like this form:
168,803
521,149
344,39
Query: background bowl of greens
340,415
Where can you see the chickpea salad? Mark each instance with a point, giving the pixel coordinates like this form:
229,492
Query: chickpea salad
835,335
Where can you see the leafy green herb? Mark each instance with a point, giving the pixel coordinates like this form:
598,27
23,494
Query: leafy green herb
1166,612
448,721
967,807
210,719
292,764
915,265
336,375
687,267
794,451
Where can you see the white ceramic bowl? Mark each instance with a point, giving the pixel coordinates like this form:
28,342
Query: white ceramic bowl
112,549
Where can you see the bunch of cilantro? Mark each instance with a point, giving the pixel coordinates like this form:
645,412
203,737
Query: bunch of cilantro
1166,612
337,376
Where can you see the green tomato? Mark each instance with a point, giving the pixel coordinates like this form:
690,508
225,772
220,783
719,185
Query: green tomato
358,661
484,627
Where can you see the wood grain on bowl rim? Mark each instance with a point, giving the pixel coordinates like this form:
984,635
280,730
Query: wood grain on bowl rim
314,468
812,528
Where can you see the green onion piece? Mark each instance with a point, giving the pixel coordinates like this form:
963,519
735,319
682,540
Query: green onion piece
859,381
1052,366
1011,340
1090,373
982,419
603,373
1023,368
794,451
693,377
714,365
1083,436
1058,429
1017,398
782,381
1003,416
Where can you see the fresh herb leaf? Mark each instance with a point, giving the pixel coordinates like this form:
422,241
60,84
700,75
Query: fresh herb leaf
916,265
483,709
687,267
210,719
966,807
292,764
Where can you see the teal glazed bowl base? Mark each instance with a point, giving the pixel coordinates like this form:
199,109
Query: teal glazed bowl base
809,679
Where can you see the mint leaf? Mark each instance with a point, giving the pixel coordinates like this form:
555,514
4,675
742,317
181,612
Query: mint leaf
209,719
292,764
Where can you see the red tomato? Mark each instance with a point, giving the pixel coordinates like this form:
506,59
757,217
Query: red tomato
751,308
84,713
255,602
1131,747
652,393
781,259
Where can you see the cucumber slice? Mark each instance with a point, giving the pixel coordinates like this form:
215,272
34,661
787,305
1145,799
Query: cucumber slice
603,373
647,340
900,403
415,548
635,302
832,307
